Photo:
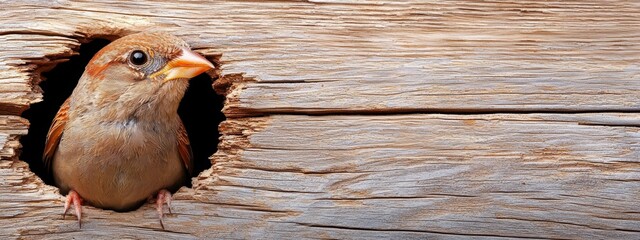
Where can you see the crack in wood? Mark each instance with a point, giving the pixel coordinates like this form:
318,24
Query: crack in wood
335,227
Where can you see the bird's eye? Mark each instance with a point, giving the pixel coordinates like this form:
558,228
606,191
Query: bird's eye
138,57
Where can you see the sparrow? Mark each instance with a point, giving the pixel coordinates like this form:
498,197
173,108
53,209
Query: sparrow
118,140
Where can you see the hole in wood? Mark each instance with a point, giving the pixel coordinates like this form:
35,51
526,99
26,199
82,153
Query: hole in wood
200,111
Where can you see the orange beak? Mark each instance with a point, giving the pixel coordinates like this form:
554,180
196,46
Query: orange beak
185,66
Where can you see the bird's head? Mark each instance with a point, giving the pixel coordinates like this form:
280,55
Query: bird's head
146,71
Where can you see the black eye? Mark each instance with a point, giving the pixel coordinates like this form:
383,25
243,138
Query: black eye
138,57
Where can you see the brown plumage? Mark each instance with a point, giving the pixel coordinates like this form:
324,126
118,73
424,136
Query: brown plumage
118,140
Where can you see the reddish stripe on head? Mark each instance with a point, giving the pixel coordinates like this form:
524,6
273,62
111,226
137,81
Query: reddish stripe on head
99,62
96,71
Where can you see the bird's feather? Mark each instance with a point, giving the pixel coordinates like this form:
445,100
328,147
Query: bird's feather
55,134
184,147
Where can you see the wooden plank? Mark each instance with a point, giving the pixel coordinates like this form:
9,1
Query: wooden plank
370,56
405,176
565,176
549,176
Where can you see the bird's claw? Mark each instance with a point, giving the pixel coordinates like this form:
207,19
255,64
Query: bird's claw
164,196
74,197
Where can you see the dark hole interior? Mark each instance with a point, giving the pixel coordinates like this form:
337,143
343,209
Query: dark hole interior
200,110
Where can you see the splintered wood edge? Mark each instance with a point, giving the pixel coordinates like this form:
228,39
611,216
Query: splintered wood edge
29,189
35,67
234,138
14,127
230,86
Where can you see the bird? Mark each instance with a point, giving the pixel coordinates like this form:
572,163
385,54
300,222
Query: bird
118,140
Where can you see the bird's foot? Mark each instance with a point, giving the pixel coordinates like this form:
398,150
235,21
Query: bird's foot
164,196
74,198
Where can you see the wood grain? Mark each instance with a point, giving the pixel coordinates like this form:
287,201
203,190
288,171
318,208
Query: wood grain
368,163
409,176
381,56
537,176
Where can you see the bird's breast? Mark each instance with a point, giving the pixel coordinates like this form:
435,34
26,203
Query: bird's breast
116,165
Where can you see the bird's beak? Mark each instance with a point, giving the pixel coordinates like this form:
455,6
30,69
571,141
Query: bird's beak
187,65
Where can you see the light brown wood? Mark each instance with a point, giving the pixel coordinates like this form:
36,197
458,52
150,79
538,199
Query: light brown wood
326,56
393,172
408,176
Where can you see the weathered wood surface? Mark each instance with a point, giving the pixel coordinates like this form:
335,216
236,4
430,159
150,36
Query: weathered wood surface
500,175
332,56
407,175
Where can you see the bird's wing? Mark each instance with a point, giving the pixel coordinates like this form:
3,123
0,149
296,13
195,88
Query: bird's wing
184,148
55,134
